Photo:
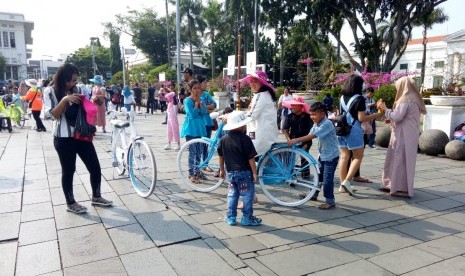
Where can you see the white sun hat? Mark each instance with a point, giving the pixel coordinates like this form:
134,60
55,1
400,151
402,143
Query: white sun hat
236,119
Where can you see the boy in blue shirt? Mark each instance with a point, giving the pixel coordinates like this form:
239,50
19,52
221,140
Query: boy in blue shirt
328,148
237,151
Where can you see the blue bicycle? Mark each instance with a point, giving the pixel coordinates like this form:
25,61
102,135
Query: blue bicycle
287,175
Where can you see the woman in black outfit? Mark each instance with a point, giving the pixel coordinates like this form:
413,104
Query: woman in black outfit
65,101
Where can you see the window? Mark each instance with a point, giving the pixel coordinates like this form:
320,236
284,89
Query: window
12,40
404,66
418,65
5,40
437,81
439,64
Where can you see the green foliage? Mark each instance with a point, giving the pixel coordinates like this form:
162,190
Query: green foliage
279,91
335,92
386,92
82,58
2,65
170,74
432,91
117,78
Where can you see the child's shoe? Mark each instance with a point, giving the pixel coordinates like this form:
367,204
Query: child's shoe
176,148
230,220
251,221
167,147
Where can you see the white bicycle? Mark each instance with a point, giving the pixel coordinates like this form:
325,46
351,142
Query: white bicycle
130,152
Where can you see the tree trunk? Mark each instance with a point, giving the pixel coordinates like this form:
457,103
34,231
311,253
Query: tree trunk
213,54
168,34
423,60
281,61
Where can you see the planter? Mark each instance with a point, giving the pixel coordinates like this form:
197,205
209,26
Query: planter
220,93
447,100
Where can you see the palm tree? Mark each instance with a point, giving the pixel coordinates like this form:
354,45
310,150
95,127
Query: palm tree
191,10
427,21
212,15
385,33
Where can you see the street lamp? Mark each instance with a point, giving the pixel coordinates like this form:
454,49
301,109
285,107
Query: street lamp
238,93
92,42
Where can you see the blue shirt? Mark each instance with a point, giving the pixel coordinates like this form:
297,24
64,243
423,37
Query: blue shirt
207,99
328,146
194,123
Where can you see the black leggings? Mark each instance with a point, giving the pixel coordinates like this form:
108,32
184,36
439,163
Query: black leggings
36,115
68,149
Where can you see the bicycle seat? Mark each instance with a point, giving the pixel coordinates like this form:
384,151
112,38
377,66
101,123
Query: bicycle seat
119,123
279,145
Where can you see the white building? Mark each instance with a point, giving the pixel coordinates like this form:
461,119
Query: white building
444,59
15,34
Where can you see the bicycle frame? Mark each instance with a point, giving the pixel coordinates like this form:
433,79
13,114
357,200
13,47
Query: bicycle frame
122,132
283,173
213,145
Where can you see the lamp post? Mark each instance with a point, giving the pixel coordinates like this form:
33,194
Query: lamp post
92,42
238,93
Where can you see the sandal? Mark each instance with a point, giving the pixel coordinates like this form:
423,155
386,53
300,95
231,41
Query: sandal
361,179
207,169
326,206
194,179
401,194
217,174
76,208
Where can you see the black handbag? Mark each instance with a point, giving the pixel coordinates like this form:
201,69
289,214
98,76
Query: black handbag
83,131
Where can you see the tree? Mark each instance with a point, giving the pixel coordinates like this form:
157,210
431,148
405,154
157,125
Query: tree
427,21
191,10
361,15
82,58
114,35
2,65
212,15
279,15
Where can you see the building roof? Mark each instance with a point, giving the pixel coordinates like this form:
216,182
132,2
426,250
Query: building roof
431,39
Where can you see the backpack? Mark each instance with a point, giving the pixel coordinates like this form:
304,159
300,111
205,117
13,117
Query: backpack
340,123
115,98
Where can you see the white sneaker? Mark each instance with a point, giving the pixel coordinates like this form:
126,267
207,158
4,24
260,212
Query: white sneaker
176,148
167,147
347,187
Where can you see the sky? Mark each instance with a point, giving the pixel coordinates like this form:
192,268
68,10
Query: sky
61,27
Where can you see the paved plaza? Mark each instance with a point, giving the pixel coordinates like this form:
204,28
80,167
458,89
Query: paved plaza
180,232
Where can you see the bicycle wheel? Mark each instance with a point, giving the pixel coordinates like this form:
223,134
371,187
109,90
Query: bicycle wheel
117,151
288,176
198,165
142,168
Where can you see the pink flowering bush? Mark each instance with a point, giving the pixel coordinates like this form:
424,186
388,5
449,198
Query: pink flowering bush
374,79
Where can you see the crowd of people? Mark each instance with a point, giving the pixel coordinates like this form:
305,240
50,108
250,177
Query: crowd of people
248,134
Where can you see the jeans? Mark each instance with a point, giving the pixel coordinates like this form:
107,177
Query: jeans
326,176
68,149
36,115
371,137
194,157
240,184
150,104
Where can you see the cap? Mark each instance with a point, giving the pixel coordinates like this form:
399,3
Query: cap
188,70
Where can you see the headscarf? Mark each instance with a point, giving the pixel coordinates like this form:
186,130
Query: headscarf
407,92
126,91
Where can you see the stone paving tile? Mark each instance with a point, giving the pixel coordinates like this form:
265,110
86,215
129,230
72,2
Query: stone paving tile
446,190
401,261
121,186
296,261
10,230
197,258
313,215
10,202
139,205
374,243
115,216
85,244
284,236
38,258
197,227
225,253
166,228
430,229
208,217
333,226
440,204
360,267
7,261
258,267
241,245
65,219
457,217
450,267
368,204
112,266
459,198
130,238
375,217
445,247
37,231
11,185
147,262
58,197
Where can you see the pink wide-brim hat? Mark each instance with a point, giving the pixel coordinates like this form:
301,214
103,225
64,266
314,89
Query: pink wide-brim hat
261,76
297,101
